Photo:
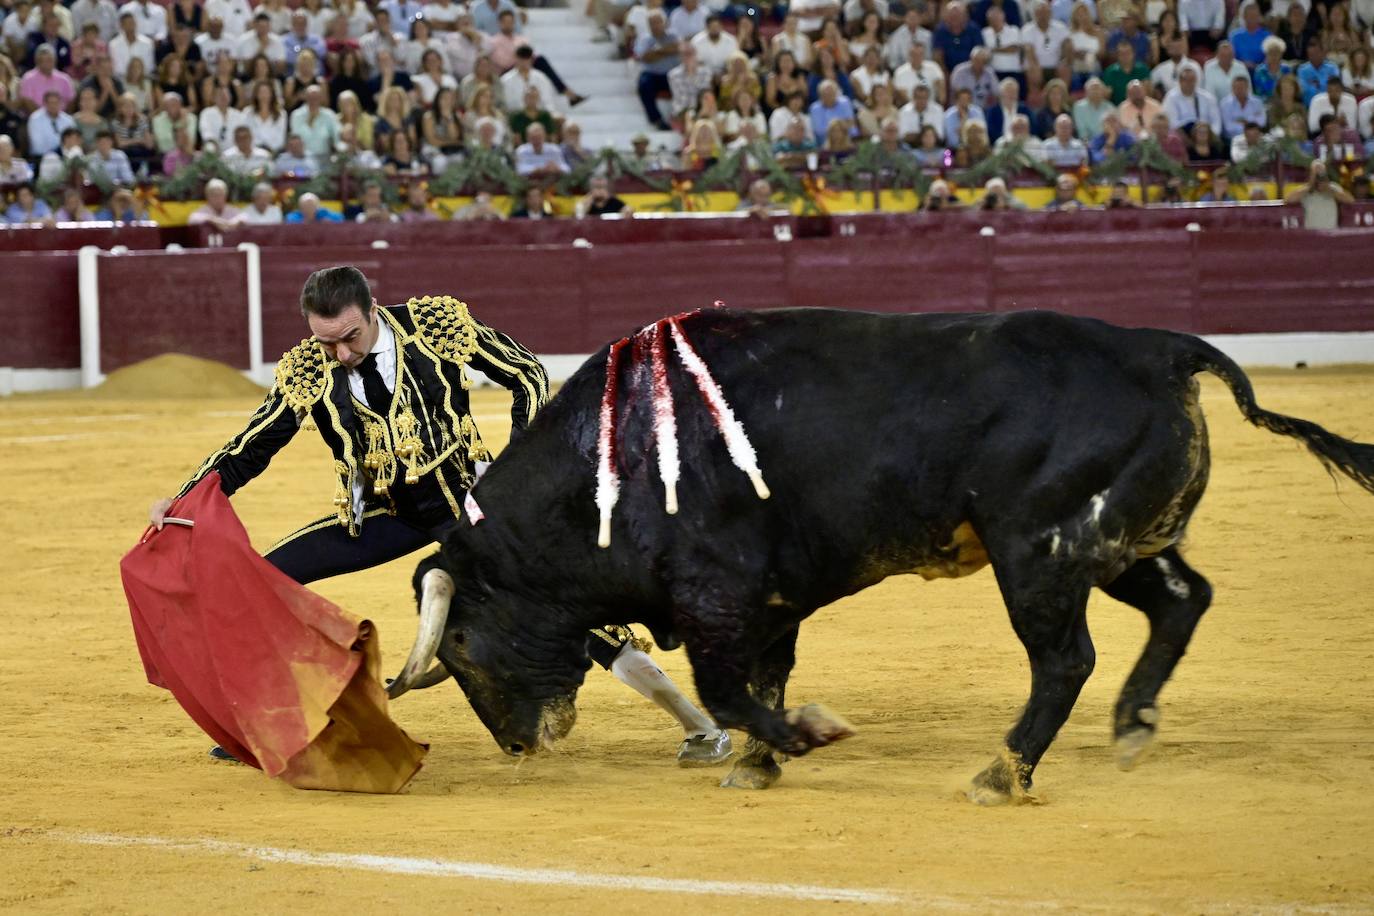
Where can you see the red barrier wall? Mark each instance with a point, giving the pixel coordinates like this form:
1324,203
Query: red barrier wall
195,302
564,299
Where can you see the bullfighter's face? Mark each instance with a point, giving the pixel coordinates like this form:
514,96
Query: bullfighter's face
521,683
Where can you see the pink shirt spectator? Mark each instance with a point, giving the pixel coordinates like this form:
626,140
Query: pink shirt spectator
175,160
34,85
502,49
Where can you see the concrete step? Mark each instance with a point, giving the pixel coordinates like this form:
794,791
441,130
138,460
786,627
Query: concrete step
666,140
625,103
594,86
555,17
581,33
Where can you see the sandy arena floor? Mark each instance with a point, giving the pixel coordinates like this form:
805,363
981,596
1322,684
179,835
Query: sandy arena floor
1258,796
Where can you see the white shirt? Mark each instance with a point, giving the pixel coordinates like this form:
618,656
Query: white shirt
906,79
864,81
248,47
807,23
219,125
1197,15
1032,145
122,51
428,88
270,135
102,12
1165,74
444,15
781,118
1005,46
254,159
513,85
898,49
1047,45
212,49
1365,117
1200,106
236,15
1218,81
1321,105
151,19
385,351
911,121
799,46
715,54
269,217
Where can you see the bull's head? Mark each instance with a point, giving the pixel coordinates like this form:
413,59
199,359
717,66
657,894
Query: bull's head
519,667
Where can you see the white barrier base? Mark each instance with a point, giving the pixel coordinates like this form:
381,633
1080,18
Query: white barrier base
1250,350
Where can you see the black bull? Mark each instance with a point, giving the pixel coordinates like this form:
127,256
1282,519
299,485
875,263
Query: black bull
1065,452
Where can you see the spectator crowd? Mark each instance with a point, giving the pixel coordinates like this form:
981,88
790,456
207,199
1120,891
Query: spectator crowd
405,87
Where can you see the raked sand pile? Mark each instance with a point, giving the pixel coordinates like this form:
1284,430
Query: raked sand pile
176,375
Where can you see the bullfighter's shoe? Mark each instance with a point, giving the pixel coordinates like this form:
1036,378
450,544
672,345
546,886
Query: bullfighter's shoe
219,753
705,750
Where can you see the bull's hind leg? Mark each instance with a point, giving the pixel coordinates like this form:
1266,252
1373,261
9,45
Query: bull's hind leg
1174,598
758,768
1048,608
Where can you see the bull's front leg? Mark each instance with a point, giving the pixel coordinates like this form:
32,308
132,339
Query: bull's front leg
758,768
724,657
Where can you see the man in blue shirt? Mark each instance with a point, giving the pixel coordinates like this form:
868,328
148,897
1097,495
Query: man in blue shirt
955,37
486,15
403,13
298,39
1129,32
308,210
1240,107
1312,76
831,106
1248,42
657,52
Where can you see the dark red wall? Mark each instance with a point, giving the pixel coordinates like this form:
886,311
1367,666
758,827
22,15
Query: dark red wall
560,298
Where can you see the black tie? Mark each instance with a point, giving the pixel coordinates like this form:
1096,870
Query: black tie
378,398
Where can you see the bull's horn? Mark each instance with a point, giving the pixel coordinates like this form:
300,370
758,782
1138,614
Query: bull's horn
436,591
436,675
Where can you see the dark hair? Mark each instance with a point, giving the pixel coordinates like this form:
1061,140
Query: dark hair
524,52
69,131
1325,120
104,135
329,291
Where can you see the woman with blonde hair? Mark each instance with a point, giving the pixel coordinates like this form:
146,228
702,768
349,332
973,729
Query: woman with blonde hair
745,109
307,73
1086,42
393,115
1056,101
703,146
838,143
1338,37
132,131
483,105
483,74
738,76
351,113
973,144
138,85
880,110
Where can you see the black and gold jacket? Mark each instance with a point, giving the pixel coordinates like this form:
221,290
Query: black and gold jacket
429,427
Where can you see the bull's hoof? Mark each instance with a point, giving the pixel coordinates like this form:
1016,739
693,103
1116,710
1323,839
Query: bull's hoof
817,726
752,776
1134,742
1006,781
705,750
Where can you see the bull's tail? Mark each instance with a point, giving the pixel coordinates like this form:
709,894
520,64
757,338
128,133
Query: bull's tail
1353,459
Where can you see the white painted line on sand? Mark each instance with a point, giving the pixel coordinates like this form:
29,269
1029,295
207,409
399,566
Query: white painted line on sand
444,868
33,440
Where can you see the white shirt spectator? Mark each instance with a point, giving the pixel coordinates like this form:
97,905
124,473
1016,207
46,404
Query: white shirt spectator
1064,155
684,22
14,30
800,46
1165,74
412,51
103,13
150,18
854,10
1365,117
1321,105
802,8
732,123
428,88
257,158
121,51
237,15
897,51
460,52
212,49
1361,11
65,27
1218,81
252,216
715,54
445,15
906,79
1033,146
778,123
1184,109
1360,85
864,81
218,126
528,160
1047,45
1240,147
513,85
1005,46
248,47
912,121
1201,15
269,134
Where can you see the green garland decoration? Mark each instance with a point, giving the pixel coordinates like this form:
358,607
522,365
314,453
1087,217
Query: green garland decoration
1261,158
610,162
871,159
77,166
478,169
1144,154
326,183
189,181
1007,161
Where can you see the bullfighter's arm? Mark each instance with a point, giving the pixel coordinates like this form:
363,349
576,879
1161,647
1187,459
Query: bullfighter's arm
247,455
510,365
